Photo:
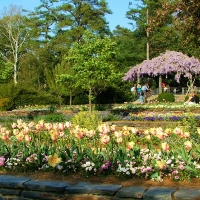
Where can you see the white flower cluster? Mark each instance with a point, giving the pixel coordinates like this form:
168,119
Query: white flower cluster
12,162
89,166
31,158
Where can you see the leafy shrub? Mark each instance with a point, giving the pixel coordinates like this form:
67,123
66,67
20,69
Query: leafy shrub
55,117
30,97
102,107
88,120
111,117
166,97
3,103
80,99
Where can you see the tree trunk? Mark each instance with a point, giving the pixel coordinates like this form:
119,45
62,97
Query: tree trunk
70,98
90,100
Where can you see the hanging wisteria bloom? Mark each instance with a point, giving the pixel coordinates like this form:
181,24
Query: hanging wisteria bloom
166,63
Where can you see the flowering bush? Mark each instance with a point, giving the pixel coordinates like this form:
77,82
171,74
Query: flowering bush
61,147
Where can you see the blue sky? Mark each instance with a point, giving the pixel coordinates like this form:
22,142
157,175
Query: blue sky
118,7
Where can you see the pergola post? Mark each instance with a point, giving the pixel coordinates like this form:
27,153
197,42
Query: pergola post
160,84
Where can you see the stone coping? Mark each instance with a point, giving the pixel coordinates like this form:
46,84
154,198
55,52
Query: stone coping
24,188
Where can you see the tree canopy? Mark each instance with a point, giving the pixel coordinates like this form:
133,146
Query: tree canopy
170,61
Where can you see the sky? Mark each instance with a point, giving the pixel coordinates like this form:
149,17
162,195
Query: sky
118,7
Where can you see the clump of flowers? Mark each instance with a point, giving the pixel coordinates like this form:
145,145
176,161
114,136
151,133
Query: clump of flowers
126,152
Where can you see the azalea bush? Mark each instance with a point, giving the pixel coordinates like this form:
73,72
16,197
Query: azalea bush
66,148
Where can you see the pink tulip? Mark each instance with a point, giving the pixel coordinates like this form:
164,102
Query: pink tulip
134,130
104,129
105,139
90,133
68,124
28,138
5,136
61,126
14,125
119,139
16,131
187,134
113,128
53,136
130,145
188,144
165,146
20,137
118,134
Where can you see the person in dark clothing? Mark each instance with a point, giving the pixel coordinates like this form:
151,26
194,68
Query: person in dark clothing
193,99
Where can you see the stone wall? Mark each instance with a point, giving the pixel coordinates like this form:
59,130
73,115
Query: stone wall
23,188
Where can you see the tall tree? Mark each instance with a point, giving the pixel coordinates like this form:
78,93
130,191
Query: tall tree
159,37
13,31
91,63
185,19
65,76
76,16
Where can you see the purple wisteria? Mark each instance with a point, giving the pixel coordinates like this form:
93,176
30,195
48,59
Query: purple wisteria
170,61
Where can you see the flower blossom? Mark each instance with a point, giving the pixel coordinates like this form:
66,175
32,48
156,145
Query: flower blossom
165,146
54,160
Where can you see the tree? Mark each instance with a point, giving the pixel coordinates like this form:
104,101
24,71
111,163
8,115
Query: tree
65,77
158,37
183,18
13,30
76,16
91,63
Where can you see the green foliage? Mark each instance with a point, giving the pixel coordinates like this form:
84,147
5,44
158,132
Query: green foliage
111,117
30,97
101,107
8,90
91,64
3,102
88,120
166,97
80,99
6,72
54,117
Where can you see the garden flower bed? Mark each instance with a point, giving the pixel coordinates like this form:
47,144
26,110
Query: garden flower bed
153,154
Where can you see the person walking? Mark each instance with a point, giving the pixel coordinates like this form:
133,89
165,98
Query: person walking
134,91
138,88
144,89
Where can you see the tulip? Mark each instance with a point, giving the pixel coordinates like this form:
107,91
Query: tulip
119,139
134,130
104,128
165,146
118,134
161,164
105,139
188,144
130,145
68,124
28,138
148,137
187,134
